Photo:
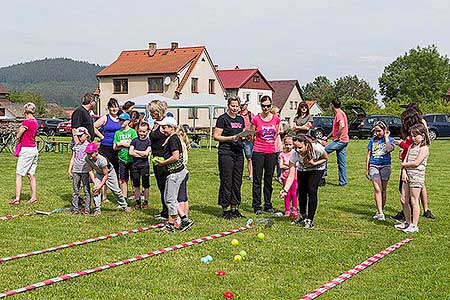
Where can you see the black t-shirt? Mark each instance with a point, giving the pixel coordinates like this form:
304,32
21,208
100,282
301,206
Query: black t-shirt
82,118
230,127
157,138
141,145
170,146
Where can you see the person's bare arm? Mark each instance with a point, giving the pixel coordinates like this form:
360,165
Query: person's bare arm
423,152
217,135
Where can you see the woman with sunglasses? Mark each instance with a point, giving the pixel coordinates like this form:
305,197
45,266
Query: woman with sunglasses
231,158
266,126
310,158
303,120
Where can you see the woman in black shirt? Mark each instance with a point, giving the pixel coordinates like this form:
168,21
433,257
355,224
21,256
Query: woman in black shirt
231,158
157,110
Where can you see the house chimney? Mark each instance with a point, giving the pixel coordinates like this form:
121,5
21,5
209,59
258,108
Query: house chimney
173,46
151,49
236,68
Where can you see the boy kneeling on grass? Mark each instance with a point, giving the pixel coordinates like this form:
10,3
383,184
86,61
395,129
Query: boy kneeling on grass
104,174
173,163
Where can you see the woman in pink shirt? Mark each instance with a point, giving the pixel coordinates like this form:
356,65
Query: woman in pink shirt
28,155
264,157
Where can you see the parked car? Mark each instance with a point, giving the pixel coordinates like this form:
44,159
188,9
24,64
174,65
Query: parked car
322,126
438,124
363,129
64,128
48,125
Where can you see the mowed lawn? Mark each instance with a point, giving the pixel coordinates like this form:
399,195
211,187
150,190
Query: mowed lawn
289,263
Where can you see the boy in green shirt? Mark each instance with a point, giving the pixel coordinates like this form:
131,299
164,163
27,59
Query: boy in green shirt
122,142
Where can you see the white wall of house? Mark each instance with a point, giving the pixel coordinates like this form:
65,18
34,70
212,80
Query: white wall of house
254,96
289,109
137,86
315,110
204,71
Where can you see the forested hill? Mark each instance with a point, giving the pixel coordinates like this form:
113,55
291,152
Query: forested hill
60,80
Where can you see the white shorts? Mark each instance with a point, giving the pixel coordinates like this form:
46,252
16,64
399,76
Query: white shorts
27,162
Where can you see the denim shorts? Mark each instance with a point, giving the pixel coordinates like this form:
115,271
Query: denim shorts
383,172
248,149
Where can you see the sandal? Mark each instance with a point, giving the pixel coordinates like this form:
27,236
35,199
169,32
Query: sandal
31,201
14,202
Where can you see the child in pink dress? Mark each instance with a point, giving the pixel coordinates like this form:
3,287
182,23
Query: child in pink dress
291,195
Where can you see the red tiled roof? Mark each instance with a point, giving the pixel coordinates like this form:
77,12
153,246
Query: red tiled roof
310,103
133,62
234,79
3,90
282,90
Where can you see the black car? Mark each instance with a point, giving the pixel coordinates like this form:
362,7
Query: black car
48,125
322,126
438,124
363,129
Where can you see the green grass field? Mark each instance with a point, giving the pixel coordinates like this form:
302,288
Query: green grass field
290,262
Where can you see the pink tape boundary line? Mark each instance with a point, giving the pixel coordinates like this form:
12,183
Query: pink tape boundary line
123,262
352,272
79,243
16,216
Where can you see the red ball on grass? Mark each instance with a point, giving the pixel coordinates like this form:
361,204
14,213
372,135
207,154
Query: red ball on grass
228,295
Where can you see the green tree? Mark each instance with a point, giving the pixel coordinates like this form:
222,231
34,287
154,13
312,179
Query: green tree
320,90
422,75
351,87
26,97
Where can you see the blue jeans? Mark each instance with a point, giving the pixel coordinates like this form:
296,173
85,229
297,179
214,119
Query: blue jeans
248,149
341,153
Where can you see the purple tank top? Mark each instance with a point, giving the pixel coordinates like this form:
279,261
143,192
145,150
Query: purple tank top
109,129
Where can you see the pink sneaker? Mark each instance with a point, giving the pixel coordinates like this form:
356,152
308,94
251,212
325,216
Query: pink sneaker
287,213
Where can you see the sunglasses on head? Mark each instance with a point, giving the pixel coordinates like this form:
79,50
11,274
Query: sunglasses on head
266,105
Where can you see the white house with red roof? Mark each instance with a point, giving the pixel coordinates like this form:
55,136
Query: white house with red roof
248,84
7,108
173,72
287,95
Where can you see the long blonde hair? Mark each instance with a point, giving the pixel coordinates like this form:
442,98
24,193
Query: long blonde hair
183,137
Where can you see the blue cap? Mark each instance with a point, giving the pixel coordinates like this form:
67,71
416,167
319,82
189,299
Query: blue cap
124,116
169,114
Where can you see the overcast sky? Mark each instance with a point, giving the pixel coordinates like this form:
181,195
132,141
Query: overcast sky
285,39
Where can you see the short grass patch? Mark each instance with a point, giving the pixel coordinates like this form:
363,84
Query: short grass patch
290,262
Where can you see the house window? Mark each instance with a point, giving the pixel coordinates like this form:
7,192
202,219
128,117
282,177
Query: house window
247,96
259,97
194,85
2,112
155,85
212,86
255,78
192,113
120,86
296,105
291,104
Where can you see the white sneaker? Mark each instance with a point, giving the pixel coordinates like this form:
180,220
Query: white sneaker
411,229
309,224
379,217
401,226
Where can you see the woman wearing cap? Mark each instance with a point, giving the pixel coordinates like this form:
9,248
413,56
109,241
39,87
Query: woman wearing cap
231,158
267,126
157,111
303,120
28,153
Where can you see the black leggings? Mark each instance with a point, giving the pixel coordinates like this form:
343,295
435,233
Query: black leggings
308,183
263,163
231,168
112,156
160,176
